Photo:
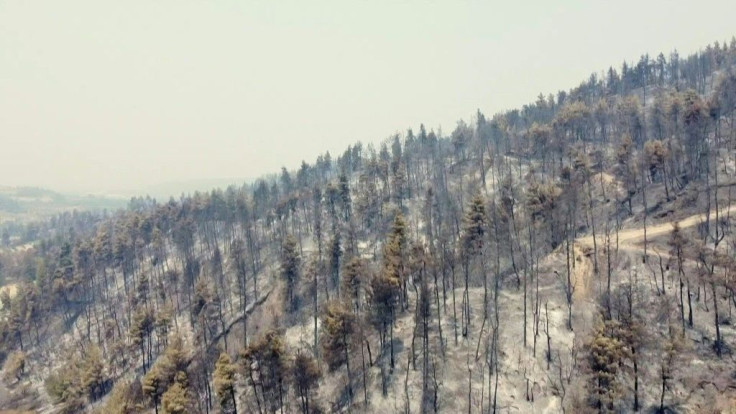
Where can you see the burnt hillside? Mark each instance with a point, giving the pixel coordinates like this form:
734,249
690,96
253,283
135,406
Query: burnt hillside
572,255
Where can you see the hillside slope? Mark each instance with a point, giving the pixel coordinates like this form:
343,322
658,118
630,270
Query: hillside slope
527,263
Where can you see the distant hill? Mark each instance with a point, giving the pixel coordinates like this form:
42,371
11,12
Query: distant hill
165,190
29,203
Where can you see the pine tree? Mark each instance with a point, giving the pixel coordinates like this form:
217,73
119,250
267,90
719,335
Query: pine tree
176,399
395,255
678,243
354,282
238,264
154,385
125,398
141,328
163,373
340,326
290,262
306,377
672,357
384,297
92,373
475,225
224,381
266,366
604,359
388,288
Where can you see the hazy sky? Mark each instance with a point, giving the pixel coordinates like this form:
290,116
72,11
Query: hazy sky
110,95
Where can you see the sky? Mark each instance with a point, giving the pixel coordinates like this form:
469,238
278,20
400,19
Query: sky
107,96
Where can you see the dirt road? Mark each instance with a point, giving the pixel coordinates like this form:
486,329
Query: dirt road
629,238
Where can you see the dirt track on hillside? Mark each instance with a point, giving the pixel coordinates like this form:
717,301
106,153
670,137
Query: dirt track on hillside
631,240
